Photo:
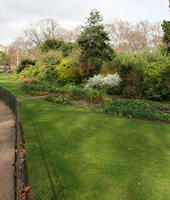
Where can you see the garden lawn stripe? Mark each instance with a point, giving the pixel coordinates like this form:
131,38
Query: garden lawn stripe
94,155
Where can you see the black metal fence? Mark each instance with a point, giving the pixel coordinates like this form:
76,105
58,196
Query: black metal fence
21,170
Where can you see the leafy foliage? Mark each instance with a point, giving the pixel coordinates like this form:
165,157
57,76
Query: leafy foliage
41,72
82,93
40,88
3,59
66,71
24,64
166,37
84,71
47,73
50,58
136,109
156,80
59,98
93,41
52,44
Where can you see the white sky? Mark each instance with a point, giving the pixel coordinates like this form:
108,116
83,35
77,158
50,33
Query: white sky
15,15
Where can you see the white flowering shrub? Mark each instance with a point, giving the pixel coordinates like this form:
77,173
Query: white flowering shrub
104,82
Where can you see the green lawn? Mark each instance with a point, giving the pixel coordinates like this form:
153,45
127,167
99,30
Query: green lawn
9,83
76,154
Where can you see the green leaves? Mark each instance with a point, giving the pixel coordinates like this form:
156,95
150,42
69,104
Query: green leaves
53,44
136,109
3,60
93,41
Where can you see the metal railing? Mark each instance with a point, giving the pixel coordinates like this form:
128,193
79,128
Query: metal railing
21,170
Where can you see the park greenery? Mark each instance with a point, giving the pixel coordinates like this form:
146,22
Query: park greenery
90,73
89,69
94,136
74,153
143,74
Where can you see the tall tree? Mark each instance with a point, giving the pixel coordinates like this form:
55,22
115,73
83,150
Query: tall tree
128,37
43,30
94,41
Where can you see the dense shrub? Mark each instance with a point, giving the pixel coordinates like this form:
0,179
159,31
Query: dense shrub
83,93
66,48
50,58
128,63
42,73
130,67
131,88
152,56
47,73
136,109
66,71
59,98
75,54
3,59
143,74
24,64
40,87
104,82
53,44
156,80
84,71
108,68
30,72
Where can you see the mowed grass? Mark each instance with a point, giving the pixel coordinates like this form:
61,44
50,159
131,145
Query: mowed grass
76,154
9,83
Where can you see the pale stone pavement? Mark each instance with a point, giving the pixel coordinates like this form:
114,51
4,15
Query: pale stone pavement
7,154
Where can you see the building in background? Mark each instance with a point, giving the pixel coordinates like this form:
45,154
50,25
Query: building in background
3,66
4,49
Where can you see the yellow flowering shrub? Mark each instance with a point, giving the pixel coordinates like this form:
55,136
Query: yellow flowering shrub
30,72
66,71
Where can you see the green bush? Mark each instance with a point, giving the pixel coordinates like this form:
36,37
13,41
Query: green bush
42,73
3,59
128,63
30,72
130,68
40,87
136,109
156,80
66,71
50,58
53,44
47,73
24,64
152,56
130,91
83,93
59,98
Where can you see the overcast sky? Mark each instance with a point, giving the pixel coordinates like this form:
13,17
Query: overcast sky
15,15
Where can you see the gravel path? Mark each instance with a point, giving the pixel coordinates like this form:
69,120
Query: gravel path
31,98
7,146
